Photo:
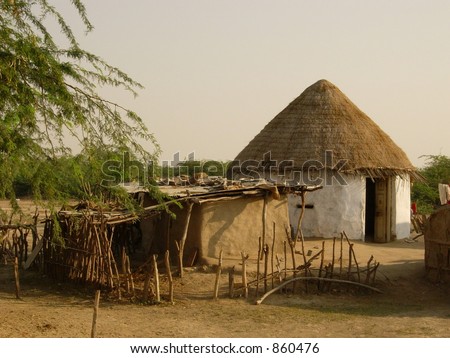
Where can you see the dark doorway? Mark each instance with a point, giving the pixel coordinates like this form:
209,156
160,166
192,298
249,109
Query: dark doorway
370,210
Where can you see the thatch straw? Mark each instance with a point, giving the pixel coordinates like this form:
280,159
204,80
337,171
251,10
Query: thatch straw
323,119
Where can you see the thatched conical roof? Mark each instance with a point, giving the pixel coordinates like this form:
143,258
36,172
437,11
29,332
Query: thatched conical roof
323,119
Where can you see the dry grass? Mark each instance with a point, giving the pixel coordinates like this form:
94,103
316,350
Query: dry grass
409,307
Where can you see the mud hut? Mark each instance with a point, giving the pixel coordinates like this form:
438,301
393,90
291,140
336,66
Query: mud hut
209,221
322,138
437,245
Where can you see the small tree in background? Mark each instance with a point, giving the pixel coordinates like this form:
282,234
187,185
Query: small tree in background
426,194
209,167
49,92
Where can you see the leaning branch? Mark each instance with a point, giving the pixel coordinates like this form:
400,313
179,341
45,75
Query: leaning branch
323,279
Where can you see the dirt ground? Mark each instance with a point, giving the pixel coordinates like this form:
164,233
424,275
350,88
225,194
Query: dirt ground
409,306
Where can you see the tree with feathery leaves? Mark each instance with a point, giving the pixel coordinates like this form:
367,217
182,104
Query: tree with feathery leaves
49,91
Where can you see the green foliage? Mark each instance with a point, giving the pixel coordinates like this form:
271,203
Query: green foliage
426,194
49,92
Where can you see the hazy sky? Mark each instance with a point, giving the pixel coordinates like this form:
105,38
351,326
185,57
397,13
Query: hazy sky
216,72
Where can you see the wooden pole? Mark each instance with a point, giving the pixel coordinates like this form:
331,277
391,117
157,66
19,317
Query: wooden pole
16,276
278,266
300,217
148,277
333,257
341,257
299,230
94,318
183,239
168,232
123,260
285,258
356,264
218,272
349,272
266,264
258,266
327,286
322,256
125,270
244,274
264,219
169,275
116,271
368,269
375,272
272,253
130,275
291,241
231,282
156,277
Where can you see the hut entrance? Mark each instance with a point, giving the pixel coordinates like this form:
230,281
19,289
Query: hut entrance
377,220
370,210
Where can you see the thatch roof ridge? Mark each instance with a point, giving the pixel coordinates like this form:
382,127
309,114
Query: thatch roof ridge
324,119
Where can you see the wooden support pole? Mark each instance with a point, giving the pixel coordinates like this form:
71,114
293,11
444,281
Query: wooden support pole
168,232
123,260
292,246
231,282
341,257
148,277
333,257
272,254
156,278
180,246
130,275
218,273
300,217
299,230
349,272
264,219
16,276
356,264
285,259
244,274
322,257
94,318
125,271
266,264
278,267
258,266
116,273
368,270
169,275
291,242
375,272
324,287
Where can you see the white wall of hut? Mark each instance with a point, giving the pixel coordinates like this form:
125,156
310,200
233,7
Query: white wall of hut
337,208
402,207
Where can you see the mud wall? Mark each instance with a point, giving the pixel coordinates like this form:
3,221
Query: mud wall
437,245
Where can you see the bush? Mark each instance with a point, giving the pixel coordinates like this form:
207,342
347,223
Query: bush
426,194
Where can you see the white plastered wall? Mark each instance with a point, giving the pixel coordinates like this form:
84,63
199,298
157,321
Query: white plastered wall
336,208
401,208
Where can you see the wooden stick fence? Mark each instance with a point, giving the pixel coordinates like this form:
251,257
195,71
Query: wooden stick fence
14,241
327,274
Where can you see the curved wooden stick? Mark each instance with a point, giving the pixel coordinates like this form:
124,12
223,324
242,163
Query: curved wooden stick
258,302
